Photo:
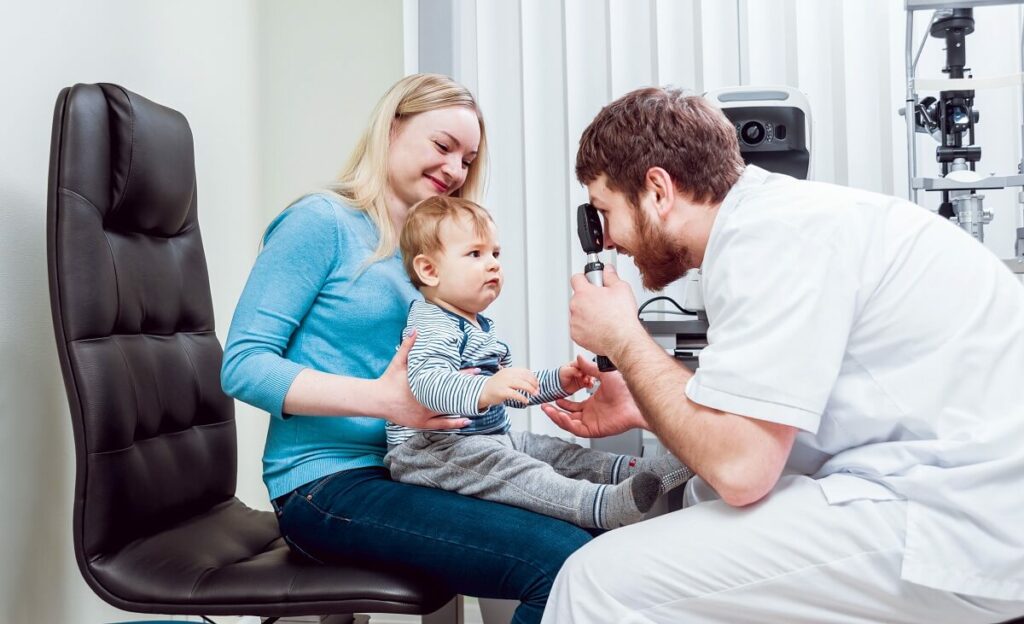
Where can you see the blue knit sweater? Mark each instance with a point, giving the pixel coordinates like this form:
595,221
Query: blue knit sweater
312,302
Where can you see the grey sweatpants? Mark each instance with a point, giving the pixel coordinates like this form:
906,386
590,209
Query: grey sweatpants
536,472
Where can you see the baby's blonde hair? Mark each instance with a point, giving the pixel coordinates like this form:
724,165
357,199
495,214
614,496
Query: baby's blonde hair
421,233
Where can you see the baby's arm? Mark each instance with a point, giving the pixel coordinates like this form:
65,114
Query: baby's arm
553,383
547,384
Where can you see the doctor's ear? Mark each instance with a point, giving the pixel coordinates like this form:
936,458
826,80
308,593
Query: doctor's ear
426,270
658,183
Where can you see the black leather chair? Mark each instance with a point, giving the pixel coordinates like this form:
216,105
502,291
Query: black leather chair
157,527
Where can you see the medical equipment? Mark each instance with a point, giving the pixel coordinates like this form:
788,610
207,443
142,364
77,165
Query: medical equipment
950,119
773,125
588,227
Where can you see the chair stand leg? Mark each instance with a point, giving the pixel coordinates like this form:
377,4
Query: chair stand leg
452,613
345,618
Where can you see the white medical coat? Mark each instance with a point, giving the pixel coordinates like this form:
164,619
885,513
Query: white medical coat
895,343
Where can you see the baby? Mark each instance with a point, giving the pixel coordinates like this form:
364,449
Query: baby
450,250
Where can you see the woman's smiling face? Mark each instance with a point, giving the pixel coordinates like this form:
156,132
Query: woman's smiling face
431,152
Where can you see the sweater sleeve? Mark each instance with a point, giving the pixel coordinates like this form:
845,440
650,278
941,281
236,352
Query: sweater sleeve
550,388
548,380
300,249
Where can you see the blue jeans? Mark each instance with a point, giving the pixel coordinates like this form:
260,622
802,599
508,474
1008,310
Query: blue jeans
479,548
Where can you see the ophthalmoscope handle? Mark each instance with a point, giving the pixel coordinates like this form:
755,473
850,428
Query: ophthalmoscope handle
595,275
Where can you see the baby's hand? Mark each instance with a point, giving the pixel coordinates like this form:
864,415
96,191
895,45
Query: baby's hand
574,379
509,384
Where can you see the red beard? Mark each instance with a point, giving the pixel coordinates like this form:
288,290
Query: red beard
660,259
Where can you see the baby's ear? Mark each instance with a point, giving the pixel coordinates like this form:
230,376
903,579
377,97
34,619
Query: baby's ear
426,270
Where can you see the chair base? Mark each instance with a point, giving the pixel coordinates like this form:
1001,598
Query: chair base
454,612
350,618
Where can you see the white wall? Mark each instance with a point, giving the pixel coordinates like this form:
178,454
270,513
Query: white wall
323,64
274,94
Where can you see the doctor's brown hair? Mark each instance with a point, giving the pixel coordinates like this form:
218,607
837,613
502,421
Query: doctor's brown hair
421,233
658,127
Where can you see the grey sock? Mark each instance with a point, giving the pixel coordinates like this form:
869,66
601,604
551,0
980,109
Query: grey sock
627,502
667,468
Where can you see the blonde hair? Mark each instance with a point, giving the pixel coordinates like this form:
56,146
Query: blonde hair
421,233
363,181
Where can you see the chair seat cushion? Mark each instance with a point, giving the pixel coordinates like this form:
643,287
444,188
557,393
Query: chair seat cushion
232,560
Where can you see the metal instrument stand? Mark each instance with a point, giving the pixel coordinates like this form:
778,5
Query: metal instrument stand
967,204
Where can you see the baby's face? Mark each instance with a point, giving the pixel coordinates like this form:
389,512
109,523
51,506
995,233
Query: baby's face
468,268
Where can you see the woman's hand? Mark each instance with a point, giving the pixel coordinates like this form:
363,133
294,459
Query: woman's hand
609,411
397,402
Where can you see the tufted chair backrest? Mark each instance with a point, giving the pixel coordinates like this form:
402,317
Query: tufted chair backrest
130,296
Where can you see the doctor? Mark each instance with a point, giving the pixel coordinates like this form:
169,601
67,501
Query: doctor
857,420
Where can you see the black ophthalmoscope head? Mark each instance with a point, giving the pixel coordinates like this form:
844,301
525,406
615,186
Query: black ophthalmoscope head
588,227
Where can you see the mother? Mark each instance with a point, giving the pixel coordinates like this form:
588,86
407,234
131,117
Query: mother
313,341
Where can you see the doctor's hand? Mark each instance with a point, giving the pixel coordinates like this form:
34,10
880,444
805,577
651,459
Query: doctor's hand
603,320
609,411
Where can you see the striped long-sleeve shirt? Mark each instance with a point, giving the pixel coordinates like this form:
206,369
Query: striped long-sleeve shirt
447,343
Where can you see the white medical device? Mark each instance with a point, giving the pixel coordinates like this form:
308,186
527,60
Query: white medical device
773,124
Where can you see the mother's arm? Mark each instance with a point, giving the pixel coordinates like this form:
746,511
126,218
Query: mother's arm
314,393
300,250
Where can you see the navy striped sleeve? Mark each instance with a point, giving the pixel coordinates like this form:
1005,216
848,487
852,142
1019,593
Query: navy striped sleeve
550,387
